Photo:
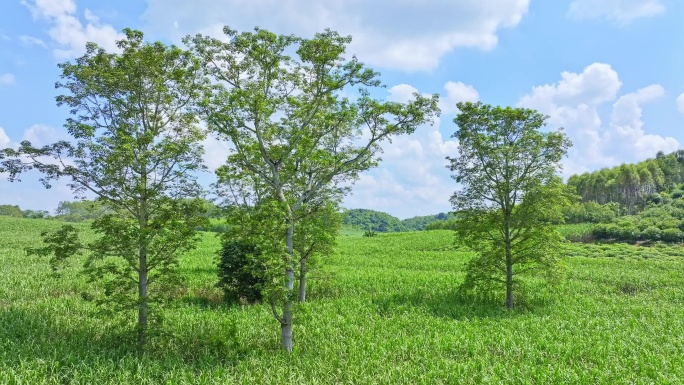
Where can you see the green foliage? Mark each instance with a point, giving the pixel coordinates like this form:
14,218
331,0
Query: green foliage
633,186
422,222
591,212
295,138
239,277
11,211
83,210
577,232
374,220
662,220
389,299
136,147
385,223
510,197
35,214
370,233
449,224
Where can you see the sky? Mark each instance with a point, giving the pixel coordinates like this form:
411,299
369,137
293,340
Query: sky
609,72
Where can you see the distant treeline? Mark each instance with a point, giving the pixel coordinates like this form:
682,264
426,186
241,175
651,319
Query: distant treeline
81,211
631,186
365,219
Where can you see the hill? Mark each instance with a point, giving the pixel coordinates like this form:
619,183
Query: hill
382,222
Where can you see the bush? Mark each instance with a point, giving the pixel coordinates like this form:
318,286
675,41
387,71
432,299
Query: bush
672,235
370,233
239,274
651,233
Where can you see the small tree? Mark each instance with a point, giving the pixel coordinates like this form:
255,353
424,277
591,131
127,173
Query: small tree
509,196
135,147
295,137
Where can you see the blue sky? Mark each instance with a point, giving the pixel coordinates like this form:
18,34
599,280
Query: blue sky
611,72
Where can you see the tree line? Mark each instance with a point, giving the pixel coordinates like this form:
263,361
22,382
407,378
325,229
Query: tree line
631,185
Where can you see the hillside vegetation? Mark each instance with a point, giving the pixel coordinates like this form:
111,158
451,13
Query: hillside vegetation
384,310
381,222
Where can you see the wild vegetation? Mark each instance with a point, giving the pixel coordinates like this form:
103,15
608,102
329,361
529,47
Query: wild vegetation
382,310
495,294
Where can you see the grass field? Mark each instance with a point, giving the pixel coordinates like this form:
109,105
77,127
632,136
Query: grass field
383,310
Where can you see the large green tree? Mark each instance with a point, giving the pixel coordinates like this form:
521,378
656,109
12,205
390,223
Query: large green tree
135,147
509,193
295,137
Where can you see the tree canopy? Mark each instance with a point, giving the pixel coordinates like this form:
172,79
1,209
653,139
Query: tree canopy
509,194
279,100
135,146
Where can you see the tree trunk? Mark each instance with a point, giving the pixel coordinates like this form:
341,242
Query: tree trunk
509,277
302,280
142,297
286,323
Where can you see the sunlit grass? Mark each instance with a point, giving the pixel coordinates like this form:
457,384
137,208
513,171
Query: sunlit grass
382,310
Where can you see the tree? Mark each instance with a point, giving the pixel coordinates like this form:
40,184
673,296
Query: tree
509,196
11,211
80,210
295,138
135,146
35,214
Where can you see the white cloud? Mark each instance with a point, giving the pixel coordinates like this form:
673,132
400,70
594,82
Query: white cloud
456,92
216,152
41,135
412,178
620,11
4,139
574,102
68,32
404,35
6,79
30,40
680,103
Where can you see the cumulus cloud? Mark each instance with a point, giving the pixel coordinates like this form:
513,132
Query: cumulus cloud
4,139
41,135
6,79
456,92
67,31
620,11
30,40
680,103
412,178
404,35
573,103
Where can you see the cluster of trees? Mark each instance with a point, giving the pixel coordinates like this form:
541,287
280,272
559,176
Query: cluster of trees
661,220
16,212
591,212
383,223
297,144
631,185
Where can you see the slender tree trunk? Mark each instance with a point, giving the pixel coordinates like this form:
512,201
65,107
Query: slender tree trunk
286,323
509,276
142,297
302,280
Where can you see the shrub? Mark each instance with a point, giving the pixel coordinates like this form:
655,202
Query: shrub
672,235
370,233
651,233
239,273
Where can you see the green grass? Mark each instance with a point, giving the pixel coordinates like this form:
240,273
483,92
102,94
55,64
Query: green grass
577,232
383,310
